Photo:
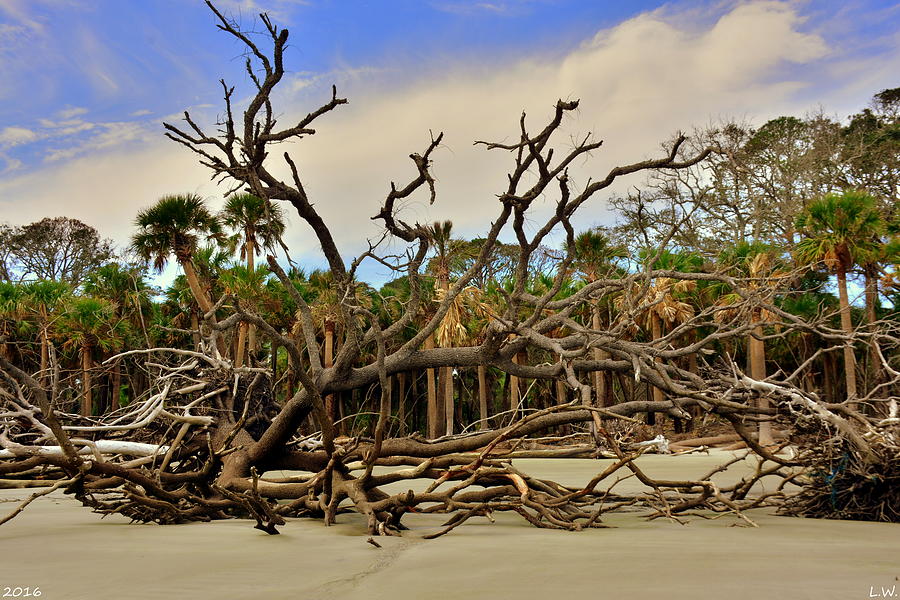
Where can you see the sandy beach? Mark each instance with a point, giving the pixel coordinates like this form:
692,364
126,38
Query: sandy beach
70,554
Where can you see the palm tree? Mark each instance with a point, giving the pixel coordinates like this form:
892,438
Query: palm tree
663,300
540,286
88,323
261,223
452,331
40,300
872,267
173,226
180,310
249,286
840,230
127,289
439,266
595,257
281,312
391,302
329,309
10,313
757,262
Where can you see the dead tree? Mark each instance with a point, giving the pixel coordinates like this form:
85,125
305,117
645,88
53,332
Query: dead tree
199,445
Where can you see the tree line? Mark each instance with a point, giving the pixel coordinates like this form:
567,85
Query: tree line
786,205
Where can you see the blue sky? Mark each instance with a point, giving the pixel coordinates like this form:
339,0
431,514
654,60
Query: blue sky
85,84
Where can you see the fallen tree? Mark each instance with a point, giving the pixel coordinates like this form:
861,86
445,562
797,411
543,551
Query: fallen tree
207,440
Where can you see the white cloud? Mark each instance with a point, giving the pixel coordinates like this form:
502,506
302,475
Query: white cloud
10,165
17,11
248,9
68,113
638,83
13,136
141,113
469,7
110,135
105,190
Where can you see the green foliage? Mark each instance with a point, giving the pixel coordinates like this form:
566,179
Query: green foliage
260,222
90,322
840,230
173,225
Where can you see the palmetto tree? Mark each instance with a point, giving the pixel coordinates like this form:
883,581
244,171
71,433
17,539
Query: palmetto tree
540,285
595,258
453,330
88,323
840,230
663,300
328,309
123,285
439,266
10,313
757,262
261,224
174,225
179,310
249,287
127,289
40,302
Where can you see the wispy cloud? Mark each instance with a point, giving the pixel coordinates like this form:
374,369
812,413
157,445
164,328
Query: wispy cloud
67,136
504,8
74,111
10,165
277,9
17,11
638,82
107,136
14,136
58,129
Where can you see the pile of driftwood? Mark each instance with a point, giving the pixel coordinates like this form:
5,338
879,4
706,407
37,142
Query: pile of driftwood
851,477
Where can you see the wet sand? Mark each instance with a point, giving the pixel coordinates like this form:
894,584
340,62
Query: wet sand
71,553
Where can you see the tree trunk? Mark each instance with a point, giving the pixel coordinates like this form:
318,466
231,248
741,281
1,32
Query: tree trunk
251,329
658,396
273,360
116,385
847,326
601,378
328,363
87,403
514,397
434,414
414,396
45,356
446,380
401,401
828,383
872,370
241,344
758,372
195,330
246,338
483,410
561,392
203,300
694,410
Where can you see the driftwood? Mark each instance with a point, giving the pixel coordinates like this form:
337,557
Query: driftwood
200,444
